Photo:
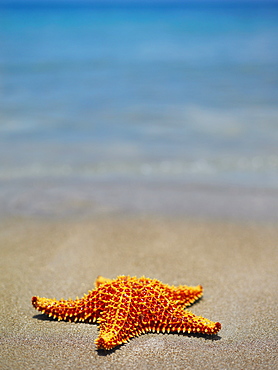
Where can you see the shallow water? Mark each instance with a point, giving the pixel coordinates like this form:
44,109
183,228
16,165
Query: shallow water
186,95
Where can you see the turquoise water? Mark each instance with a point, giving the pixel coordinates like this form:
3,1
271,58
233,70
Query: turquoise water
187,94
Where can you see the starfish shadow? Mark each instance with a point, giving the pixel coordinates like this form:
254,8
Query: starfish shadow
43,317
104,352
213,337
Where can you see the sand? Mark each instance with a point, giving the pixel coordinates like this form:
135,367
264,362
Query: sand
235,262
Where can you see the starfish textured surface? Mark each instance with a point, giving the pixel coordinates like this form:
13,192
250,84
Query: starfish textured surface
127,307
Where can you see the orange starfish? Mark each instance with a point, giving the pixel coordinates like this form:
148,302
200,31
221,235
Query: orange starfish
127,307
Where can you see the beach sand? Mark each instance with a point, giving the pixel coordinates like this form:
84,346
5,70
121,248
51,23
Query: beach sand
236,263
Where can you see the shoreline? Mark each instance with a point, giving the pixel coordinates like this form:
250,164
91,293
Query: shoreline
85,198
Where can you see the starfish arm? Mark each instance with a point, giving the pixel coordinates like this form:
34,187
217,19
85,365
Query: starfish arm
182,295
159,314
185,295
85,309
179,320
125,330
114,324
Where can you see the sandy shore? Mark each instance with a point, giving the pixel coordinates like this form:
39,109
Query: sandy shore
236,264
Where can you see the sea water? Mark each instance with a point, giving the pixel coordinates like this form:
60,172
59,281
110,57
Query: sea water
180,93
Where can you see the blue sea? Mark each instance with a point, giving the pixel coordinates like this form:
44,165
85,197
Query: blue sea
93,96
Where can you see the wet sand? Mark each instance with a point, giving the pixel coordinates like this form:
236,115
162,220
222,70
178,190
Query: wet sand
236,262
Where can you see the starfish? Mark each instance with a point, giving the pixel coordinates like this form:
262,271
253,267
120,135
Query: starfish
127,307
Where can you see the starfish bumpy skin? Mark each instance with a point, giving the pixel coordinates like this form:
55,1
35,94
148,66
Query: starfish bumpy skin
127,307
